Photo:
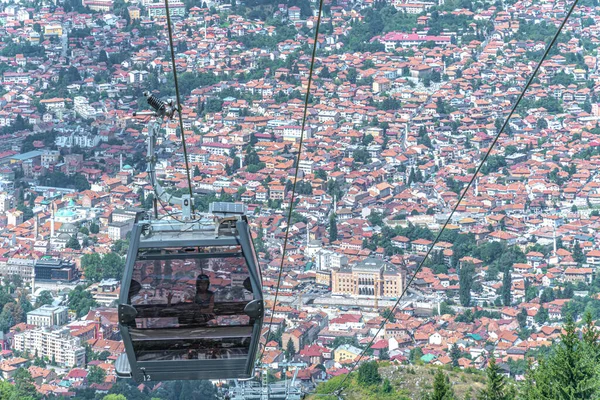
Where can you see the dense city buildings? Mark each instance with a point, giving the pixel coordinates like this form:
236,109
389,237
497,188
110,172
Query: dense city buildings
406,99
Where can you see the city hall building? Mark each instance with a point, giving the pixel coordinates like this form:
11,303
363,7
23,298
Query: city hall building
370,277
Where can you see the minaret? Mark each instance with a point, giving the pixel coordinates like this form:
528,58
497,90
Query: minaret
554,237
52,222
476,187
121,163
36,227
334,205
307,235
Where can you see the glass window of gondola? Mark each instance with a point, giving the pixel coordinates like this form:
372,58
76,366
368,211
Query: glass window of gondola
190,287
185,298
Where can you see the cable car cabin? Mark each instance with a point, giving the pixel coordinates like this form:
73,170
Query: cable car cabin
191,304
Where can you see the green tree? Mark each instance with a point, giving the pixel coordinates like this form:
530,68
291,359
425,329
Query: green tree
333,234
24,303
578,256
495,387
455,355
568,372
507,287
102,56
94,228
415,354
7,390
466,274
591,336
368,373
96,375
24,387
522,318
112,266
442,388
114,397
387,386
73,243
81,301
91,265
542,316
290,349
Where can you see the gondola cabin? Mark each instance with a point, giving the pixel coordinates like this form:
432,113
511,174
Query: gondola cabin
191,304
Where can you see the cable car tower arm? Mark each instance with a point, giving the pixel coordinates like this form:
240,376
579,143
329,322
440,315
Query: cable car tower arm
162,110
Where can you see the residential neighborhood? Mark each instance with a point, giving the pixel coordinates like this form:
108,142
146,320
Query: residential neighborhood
386,259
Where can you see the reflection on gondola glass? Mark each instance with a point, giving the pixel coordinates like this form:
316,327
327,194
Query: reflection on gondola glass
205,286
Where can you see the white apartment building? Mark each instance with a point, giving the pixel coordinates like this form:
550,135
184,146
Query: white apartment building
48,315
327,260
83,139
58,344
82,107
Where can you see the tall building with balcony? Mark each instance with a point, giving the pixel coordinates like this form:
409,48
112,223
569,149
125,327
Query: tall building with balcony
370,277
57,345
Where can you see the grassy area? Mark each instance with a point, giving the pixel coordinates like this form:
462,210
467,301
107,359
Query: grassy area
409,382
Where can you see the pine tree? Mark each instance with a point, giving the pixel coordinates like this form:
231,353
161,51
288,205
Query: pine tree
454,355
542,316
368,373
495,388
333,228
442,389
465,283
290,349
591,336
507,287
522,318
568,372
578,256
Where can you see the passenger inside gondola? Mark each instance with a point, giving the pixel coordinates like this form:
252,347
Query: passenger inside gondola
204,297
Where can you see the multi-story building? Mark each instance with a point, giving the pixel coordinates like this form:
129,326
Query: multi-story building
82,107
134,12
48,315
55,270
53,30
99,5
159,10
5,202
328,260
105,292
24,267
57,345
119,230
50,157
371,277
125,214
